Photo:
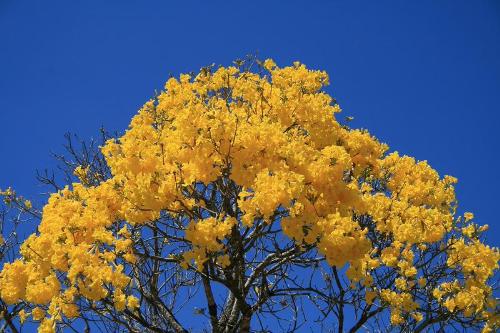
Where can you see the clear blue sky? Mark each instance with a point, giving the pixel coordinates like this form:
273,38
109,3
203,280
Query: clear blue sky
424,76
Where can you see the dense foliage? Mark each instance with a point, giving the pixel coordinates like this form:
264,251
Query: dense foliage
240,183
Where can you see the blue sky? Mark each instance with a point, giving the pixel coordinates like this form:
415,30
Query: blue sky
424,76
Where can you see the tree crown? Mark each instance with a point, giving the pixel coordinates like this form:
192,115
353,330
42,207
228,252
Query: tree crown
243,178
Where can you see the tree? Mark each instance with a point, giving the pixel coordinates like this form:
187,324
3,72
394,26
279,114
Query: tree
237,187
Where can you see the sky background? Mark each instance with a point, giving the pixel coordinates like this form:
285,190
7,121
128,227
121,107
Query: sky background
424,77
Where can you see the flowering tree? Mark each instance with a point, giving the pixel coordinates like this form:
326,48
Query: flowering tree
238,188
